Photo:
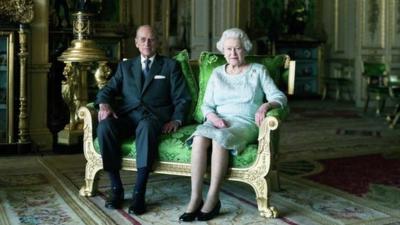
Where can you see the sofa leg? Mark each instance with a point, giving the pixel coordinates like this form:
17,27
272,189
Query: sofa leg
262,196
91,185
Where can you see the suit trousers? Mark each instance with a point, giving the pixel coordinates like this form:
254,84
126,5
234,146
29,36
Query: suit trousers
112,131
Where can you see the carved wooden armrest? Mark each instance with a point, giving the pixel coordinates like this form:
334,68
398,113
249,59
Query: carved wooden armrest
88,114
273,120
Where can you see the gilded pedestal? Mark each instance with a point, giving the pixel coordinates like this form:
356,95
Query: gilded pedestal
79,59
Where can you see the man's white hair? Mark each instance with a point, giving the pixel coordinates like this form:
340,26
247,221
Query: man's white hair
235,33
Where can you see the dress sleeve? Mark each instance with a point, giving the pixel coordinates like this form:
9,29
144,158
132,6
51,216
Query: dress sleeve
272,93
208,105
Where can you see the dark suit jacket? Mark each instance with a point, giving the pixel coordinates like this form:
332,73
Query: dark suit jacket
163,94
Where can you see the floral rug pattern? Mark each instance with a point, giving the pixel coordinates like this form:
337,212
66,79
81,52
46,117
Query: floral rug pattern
332,206
33,196
38,205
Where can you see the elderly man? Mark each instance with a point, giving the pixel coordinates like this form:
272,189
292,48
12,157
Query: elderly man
154,101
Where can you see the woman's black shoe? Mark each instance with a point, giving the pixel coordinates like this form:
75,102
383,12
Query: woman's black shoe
188,217
116,199
208,216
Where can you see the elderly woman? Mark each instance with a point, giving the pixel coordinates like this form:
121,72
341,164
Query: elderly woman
234,106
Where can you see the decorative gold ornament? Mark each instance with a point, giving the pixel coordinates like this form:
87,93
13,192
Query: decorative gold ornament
101,75
20,11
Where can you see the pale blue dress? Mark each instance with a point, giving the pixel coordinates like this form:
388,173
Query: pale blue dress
236,98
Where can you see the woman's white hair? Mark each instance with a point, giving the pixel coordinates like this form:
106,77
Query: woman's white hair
235,33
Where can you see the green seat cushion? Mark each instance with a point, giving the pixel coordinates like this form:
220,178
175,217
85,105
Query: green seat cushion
172,148
209,60
183,58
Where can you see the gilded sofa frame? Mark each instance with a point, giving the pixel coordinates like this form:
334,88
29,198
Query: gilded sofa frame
255,175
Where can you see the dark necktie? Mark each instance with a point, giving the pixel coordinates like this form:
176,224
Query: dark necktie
146,70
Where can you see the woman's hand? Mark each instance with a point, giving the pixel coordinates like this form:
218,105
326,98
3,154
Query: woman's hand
105,111
261,112
217,121
220,123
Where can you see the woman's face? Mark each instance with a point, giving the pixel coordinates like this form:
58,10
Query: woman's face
233,51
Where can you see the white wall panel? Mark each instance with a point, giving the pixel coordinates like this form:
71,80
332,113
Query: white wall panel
373,14
200,27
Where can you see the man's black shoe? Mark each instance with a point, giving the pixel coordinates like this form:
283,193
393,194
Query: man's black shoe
138,206
116,199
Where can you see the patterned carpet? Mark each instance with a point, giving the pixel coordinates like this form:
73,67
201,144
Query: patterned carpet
373,177
30,194
328,129
360,172
44,190
370,180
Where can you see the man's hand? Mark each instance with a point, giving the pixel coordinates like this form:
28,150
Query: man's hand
261,112
105,111
171,126
217,121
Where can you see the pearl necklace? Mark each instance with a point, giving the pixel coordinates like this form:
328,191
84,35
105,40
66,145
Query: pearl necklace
236,70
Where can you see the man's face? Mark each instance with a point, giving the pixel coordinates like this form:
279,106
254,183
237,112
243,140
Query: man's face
146,42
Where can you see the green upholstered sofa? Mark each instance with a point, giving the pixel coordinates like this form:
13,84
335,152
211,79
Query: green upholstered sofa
253,166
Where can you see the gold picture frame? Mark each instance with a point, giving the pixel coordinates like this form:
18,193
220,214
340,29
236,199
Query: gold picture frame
111,15
108,15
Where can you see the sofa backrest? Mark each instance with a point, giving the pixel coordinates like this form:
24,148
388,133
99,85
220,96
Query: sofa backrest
183,58
197,73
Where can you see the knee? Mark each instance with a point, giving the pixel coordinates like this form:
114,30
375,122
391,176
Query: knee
105,126
218,146
146,127
201,143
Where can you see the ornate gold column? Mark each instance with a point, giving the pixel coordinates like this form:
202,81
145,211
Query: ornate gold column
23,134
79,58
